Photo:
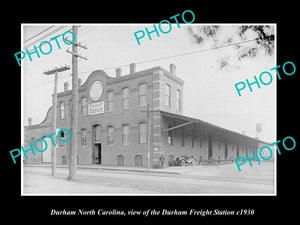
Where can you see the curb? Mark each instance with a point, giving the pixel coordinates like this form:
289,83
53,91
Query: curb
107,168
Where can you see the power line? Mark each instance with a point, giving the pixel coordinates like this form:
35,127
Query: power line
38,34
48,36
51,81
157,59
45,36
189,53
178,55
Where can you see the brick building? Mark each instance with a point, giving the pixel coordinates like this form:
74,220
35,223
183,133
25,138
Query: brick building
113,128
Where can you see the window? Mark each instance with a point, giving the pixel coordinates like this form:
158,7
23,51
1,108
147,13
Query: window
143,95
64,160
83,138
60,143
110,131
125,135
142,133
32,141
178,100
120,160
83,106
70,107
138,160
125,98
110,101
62,110
167,95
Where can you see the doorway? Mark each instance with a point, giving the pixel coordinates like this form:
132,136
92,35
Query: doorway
97,153
97,147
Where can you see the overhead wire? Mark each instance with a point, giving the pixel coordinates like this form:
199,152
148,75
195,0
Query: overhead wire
52,32
38,34
45,36
161,58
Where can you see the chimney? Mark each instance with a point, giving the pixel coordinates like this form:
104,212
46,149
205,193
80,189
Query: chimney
29,121
118,72
66,84
132,68
173,69
79,82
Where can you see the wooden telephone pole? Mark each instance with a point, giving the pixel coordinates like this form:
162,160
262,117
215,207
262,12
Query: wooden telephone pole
149,118
74,117
54,105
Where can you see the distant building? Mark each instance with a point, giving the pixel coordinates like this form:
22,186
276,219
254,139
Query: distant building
113,128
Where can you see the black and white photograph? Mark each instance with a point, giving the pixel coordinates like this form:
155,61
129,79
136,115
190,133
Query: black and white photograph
178,114
149,121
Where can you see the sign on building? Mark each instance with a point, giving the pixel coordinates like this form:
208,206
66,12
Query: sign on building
96,108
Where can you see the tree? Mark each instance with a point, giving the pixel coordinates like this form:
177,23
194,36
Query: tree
250,40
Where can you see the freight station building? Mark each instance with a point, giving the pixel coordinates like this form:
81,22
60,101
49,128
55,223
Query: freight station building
113,123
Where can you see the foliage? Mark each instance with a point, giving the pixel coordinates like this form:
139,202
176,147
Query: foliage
262,36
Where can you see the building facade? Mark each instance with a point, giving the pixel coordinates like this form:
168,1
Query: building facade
113,123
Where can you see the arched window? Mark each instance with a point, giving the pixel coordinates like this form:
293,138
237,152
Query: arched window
62,110
142,133
125,98
70,108
110,131
178,100
110,101
167,95
120,160
64,160
138,160
83,106
125,135
83,138
142,95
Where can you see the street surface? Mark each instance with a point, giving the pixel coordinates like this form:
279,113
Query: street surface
202,179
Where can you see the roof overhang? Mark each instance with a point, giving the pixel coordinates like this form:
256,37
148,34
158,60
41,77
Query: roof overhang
202,127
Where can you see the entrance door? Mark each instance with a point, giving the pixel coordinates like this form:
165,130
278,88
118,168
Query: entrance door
97,144
97,153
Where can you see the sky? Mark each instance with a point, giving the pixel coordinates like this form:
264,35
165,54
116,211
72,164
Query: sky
209,93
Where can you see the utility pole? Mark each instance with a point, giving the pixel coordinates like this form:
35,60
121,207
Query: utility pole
54,105
149,136
149,118
74,117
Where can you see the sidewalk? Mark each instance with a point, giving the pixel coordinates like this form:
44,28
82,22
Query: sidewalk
97,179
263,173
113,168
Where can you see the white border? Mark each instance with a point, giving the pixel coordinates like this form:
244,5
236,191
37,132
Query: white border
165,194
